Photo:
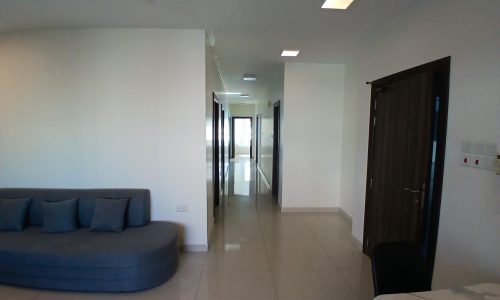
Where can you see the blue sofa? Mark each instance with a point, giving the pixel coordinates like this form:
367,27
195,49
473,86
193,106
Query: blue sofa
143,255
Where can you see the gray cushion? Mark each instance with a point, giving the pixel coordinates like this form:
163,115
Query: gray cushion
13,213
138,212
109,214
60,216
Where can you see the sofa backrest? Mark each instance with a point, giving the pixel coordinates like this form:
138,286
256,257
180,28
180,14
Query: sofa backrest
138,213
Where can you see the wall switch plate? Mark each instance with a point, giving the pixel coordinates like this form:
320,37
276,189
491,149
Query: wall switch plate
478,148
487,163
465,160
466,147
476,161
181,208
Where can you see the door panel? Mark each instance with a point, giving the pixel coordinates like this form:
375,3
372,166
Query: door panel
400,159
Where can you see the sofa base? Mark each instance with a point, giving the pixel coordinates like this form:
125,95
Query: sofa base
86,285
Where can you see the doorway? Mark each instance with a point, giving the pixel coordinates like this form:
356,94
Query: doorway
276,148
241,142
406,158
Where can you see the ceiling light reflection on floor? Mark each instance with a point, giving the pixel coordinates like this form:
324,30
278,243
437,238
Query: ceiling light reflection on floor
232,247
336,4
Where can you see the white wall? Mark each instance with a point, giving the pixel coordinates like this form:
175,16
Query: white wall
108,108
312,135
468,243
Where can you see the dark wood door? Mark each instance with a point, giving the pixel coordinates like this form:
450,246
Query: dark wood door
276,149
406,158
217,160
401,152
223,149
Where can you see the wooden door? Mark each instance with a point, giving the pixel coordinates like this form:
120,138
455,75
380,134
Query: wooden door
217,160
276,149
400,156
406,158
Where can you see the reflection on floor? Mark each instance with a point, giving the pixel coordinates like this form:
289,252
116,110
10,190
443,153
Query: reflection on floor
257,253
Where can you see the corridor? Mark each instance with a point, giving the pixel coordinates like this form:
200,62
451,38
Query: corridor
259,253
256,253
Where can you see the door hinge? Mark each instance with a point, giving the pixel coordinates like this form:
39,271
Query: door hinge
368,243
374,121
371,182
375,108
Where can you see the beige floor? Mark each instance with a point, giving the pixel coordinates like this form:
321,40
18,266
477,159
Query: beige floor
257,253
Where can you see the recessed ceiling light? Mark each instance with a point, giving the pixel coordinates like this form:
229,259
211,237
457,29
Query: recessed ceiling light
288,52
249,77
245,96
336,4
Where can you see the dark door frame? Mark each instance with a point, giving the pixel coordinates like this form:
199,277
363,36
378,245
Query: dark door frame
233,146
441,71
223,147
258,120
276,147
216,149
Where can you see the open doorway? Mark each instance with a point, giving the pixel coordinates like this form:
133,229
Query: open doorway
241,142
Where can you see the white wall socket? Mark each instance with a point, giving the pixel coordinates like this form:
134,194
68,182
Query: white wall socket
181,208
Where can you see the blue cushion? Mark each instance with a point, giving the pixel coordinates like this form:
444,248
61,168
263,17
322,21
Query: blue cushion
13,213
109,214
60,216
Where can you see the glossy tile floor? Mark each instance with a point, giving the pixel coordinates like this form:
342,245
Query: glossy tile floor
257,253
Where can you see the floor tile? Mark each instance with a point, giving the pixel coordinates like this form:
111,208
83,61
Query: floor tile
9,292
237,286
249,256
317,285
360,282
297,255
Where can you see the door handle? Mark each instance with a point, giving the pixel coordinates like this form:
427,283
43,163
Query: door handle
422,196
411,190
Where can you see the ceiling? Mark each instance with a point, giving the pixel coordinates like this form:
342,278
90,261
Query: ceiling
249,34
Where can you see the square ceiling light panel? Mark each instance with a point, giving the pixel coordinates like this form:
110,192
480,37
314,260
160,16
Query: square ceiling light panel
337,4
290,53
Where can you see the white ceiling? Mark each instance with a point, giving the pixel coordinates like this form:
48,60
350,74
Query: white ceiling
249,34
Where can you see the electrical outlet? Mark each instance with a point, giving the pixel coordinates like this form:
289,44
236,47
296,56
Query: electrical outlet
181,208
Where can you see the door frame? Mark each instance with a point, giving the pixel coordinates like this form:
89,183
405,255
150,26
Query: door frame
276,148
258,120
233,146
216,109
441,70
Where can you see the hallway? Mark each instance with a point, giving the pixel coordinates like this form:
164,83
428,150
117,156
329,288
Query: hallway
256,253
259,253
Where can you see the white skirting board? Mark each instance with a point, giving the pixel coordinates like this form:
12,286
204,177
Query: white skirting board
194,248
310,209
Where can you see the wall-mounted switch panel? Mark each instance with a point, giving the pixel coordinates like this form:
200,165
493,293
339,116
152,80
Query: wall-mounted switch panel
480,155
181,208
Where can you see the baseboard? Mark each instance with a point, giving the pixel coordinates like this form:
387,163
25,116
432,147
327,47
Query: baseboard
194,248
345,216
357,243
264,178
309,209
